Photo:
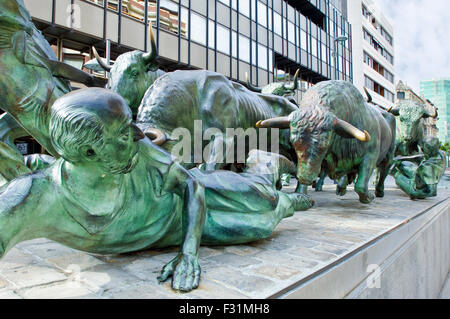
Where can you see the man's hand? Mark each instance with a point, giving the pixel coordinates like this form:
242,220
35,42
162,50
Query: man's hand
185,271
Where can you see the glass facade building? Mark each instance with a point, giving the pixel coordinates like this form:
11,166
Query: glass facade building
438,92
268,39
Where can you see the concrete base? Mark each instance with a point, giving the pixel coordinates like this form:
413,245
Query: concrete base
393,248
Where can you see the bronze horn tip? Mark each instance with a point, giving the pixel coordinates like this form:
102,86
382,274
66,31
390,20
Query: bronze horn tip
100,61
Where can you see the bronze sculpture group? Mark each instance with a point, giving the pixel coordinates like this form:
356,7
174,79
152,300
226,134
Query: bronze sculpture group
113,187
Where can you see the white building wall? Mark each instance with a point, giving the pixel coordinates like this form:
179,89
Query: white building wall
361,69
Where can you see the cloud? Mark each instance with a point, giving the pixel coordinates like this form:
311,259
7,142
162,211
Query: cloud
421,38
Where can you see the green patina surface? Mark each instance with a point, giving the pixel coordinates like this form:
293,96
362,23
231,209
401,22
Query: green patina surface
31,78
114,191
337,131
410,134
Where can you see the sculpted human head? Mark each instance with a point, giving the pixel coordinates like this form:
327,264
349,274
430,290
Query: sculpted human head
95,126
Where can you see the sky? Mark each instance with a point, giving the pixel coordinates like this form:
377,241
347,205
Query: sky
421,39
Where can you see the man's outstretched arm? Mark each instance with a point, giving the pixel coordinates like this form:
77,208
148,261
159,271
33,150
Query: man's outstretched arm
185,268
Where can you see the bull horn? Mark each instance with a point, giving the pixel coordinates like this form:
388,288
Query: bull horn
277,122
158,137
394,111
369,97
68,72
432,115
150,57
345,129
250,86
100,61
294,86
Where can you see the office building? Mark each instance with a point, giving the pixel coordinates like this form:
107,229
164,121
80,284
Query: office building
373,51
265,38
438,92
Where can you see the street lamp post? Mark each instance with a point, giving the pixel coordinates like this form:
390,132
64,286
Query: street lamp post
334,53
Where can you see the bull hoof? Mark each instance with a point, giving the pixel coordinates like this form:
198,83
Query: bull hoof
366,198
301,202
379,193
341,191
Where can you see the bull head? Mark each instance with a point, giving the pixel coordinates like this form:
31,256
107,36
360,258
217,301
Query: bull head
133,73
280,89
311,134
411,113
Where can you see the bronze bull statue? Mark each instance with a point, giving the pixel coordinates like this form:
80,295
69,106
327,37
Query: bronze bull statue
335,129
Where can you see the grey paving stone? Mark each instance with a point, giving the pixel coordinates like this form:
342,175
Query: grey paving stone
74,262
3,283
33,242
49,250
144,291
32,276
15,258
208,252
234,279
65,290
145,269
212,290
313,254
8,294
333,249
243,250
276,272
232,260
288,260
105,277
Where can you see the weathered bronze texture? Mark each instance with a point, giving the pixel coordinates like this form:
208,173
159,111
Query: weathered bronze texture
336,130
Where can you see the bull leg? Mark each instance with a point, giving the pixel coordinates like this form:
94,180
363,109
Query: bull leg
383,172
362,184
302,189
341,188
321,180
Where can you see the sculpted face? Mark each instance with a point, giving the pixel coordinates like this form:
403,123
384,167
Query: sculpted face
118,152
95,126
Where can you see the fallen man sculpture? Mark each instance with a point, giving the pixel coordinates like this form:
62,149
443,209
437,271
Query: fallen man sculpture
420,181
114,191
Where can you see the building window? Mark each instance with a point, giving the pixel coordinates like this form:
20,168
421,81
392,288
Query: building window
401,95
244,7
377,46
223,37
376,87
277,24
262,14
198,28
244,48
